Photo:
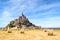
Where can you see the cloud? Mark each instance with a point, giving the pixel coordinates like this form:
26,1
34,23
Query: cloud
39,12
48,22
5,19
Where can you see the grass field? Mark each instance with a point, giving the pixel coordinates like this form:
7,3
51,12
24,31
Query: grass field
29,35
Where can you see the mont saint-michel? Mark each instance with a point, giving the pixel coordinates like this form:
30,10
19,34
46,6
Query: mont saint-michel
29,19
22,22
22,29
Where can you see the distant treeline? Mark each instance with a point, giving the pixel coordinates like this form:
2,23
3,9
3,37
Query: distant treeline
0,28
50,28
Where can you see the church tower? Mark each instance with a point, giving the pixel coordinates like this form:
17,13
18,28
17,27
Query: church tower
22,14
23,17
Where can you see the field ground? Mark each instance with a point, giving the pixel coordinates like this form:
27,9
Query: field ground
29,35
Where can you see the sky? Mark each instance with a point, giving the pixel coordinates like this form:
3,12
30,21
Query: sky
45,13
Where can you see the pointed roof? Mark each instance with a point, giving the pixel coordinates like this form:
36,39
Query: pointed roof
22,14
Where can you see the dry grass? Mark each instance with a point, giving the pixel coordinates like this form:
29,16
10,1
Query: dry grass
29,35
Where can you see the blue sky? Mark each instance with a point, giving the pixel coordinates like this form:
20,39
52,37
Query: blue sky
45,13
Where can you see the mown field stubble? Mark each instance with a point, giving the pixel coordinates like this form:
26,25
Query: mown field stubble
29,35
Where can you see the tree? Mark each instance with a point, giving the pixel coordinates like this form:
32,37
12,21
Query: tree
11,24
23,22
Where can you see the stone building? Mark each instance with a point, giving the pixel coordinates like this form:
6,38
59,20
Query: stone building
19,20
23,22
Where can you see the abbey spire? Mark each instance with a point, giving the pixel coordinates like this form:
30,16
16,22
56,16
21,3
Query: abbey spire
22,21
22,14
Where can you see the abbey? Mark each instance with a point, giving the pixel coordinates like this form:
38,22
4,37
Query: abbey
22,22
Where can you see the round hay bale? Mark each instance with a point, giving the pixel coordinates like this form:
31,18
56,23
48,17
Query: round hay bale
50,33
9,31
22,31
45,30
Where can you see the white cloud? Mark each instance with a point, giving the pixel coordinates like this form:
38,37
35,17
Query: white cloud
30,6
5,14
5,19
49,22
21,5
